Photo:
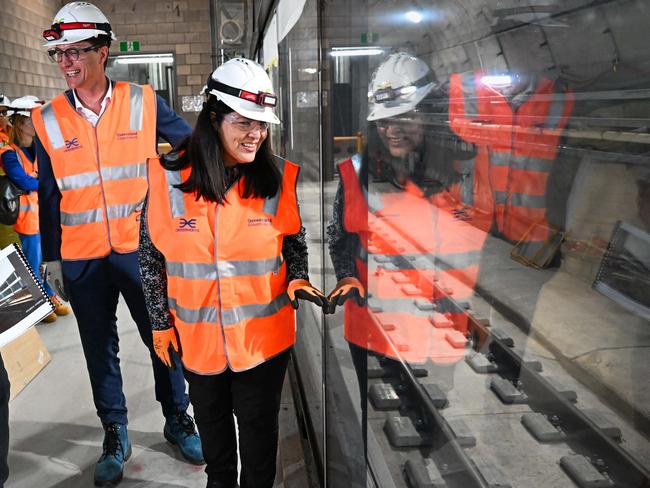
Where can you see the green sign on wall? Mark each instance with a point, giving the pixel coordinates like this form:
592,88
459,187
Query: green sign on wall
129,46
369,37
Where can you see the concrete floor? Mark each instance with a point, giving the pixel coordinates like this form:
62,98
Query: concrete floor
56,438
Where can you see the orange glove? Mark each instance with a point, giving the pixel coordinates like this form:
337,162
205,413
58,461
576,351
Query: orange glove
346,288
162,341
304,290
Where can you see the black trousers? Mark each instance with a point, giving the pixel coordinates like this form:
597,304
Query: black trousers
4,423
254,397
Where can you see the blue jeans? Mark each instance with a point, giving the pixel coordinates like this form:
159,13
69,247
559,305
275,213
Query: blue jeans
94,287
31,244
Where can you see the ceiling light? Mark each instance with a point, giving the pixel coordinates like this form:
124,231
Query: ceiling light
355,51
414,16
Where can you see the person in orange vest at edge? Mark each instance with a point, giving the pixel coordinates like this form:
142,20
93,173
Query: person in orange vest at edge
19,163
408,227
516,122
223,258
5,125
93,143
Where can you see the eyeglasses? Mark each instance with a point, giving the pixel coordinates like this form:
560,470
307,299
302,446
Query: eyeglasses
56,55
3,113
246,125
404,120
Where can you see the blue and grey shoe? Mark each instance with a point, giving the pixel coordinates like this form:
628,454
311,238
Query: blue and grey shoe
180,431
116,451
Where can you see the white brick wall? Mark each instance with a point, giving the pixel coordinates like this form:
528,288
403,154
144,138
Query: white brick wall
24,66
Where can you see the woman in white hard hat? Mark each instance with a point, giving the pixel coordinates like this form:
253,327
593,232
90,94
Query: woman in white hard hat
19,162
223,259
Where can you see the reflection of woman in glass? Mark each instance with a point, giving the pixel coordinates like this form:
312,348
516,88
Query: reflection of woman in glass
405,228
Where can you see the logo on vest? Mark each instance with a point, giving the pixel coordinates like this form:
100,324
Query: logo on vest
256,221
72,144
187,225
461,214
127,135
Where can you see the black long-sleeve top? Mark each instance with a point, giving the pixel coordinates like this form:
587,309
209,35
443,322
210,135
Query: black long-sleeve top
154,274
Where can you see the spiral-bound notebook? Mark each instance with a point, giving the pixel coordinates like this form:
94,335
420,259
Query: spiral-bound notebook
23,302
624,274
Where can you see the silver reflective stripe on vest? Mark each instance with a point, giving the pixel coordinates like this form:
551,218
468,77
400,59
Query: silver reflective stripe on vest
521,199
469,95
80,180
500,158
176,199
137,170
27,208
442,261
529,201
136,115
529,163
123,210
191,271
254,267
555,111
80,218
271,203
235,315
193,315
501,197
466,169
52,126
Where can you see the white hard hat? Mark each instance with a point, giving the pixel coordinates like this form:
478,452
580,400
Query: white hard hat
398,85
75,22
25,105
4,101
245,87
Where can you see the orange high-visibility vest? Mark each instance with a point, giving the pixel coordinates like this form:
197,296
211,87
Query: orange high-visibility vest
27,222
413,250
100,171
516,147
226,278
4,138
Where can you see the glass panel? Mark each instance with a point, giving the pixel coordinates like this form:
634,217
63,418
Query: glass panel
296,78
153,69
486,180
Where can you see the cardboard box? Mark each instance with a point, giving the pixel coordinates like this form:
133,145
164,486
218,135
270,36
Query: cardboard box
24,358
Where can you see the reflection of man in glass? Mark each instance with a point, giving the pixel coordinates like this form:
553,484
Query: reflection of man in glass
516,123
400,231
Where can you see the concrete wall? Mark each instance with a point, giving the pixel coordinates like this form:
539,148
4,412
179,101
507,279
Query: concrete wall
24,67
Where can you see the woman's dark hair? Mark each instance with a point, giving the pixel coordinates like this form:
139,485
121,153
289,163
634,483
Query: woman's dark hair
203,152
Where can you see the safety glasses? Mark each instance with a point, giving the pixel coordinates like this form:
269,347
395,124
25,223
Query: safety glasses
72,53
244,124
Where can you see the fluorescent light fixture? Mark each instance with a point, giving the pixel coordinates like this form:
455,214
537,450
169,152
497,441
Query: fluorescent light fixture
309,71
355,51
145,59
497,80
414,16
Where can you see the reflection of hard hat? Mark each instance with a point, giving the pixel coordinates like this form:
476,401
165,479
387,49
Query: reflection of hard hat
398,85
4,101
25,105
245,87
75,22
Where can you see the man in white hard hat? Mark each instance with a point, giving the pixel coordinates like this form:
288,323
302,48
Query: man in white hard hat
93,144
